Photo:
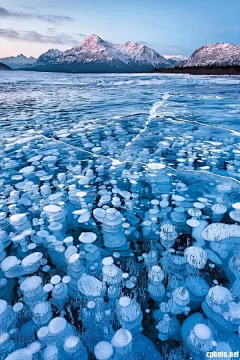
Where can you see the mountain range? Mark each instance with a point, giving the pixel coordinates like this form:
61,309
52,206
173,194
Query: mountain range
95,55
18,62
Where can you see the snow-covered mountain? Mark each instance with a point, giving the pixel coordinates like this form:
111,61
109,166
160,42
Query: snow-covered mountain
176,58
142,54
48,56
93,49
220,54
97,55
18,62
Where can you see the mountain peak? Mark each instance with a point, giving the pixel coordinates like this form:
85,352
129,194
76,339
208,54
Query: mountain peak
94,37
49,55
141,53
92,40
52,50
218,54
133,44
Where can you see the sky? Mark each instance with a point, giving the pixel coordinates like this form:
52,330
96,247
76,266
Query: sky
171,27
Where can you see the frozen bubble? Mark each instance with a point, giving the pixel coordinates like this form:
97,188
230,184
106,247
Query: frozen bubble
57,325
55,279
27,170
156,166
9,262
196,256
48,287
87,237
219,209
236,206
71,342
18,219
50,352
202,331
108,261
31,283
220,231
103,350
220,295
52,209
89,285
32,259
124,301
18,307
4,337
91,305
66,279
194,223
121,338
46,268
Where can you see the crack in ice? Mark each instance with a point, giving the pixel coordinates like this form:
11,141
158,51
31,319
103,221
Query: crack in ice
116,162
171,118
152,115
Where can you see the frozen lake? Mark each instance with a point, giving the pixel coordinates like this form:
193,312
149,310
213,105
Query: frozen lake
32,97
204,106
119,216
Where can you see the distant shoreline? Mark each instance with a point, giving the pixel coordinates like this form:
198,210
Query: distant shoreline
201,70
224,70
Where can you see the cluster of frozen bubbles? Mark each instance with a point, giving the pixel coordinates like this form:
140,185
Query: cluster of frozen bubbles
115,260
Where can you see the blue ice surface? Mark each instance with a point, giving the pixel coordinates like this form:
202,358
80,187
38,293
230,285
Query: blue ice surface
119,216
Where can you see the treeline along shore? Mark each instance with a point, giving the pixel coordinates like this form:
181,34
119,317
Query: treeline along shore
202,70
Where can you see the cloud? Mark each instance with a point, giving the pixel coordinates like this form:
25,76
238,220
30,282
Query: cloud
24,6
4,13
33,36
81,35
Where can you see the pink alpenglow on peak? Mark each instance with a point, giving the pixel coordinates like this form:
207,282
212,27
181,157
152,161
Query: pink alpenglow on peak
142,53
95,54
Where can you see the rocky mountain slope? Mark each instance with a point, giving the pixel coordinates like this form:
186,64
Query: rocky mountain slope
47,57
4,67
142,54
220,54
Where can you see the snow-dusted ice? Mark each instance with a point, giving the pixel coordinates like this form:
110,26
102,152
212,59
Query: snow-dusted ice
119,216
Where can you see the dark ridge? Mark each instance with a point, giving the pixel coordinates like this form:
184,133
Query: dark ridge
4,67
96,67
202,70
